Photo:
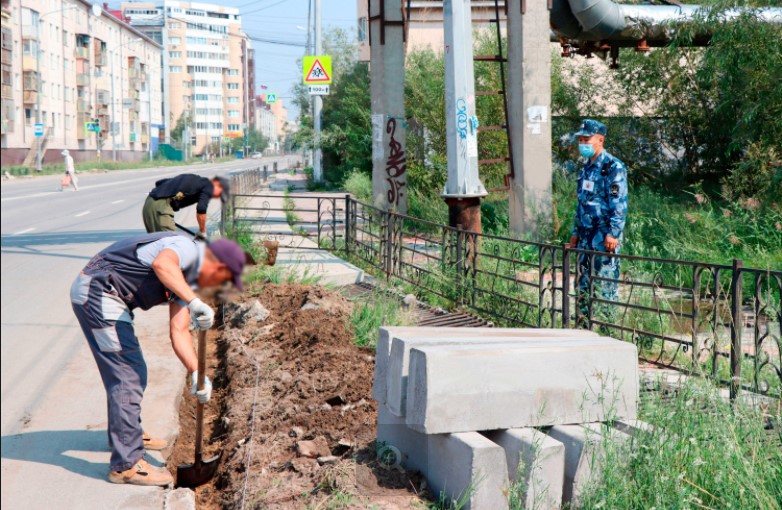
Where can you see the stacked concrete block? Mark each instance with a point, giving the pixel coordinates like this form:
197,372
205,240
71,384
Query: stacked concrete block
460,404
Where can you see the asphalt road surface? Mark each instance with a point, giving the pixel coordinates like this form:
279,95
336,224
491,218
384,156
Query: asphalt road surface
54,452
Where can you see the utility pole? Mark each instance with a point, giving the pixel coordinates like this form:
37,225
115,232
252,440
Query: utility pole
463,188
149,110
317,167
246,98
38,142
113,112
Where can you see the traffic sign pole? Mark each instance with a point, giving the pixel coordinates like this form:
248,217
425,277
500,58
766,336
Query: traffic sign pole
317,171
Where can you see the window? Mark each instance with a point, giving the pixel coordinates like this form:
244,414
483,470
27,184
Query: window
233,72
28,116
43,88
233,100
65,38
175,40
233,86
215,139
67,122
233,113
234,127
175,54
29,47
174,25
175,69
362,29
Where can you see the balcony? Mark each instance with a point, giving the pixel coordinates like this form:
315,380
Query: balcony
103,96
7,55
7,92
132,137
81,53
132,115
81,131
29,63
82,79
29,96
134,73
144,139
101,58
7,126
30,31
82,105
133,94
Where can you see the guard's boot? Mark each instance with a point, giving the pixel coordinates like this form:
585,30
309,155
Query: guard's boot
153,443
142,473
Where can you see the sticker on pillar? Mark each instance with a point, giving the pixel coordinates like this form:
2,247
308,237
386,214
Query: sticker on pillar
472,147
534,128
537,114
377,136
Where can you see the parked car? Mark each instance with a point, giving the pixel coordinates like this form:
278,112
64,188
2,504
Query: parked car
256,155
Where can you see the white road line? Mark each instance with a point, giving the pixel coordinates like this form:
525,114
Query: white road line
24,231
117,201
82,214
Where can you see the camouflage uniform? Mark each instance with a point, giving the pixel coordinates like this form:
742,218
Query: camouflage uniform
600,211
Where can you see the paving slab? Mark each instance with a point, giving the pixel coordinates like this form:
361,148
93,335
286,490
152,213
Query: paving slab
584,455
398,365
459,388
536,466
386,334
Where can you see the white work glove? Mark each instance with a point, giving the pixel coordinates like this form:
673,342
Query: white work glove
204,395
201,236
201,315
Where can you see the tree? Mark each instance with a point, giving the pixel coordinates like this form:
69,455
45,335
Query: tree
181,123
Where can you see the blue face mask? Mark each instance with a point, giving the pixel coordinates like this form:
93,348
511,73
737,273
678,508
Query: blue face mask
586,150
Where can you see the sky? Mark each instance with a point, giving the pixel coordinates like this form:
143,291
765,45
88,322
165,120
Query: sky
277,20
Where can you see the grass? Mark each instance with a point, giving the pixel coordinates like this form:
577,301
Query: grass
106,164
371,312
703,453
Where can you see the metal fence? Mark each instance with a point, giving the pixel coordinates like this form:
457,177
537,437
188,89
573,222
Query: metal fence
722,321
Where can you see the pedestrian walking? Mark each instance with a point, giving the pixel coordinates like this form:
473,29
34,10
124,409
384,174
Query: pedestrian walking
601,210
69,179
139,273
171,195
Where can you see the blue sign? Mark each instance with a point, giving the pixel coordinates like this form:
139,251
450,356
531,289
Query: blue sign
39,130
271,98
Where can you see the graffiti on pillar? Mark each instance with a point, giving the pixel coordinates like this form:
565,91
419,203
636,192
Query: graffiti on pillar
396,165
461,118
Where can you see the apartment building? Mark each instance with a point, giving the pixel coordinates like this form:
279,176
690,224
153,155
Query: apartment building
425,27
209,68
266,123
70,66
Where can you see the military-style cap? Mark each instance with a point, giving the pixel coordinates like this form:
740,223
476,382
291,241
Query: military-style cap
591,127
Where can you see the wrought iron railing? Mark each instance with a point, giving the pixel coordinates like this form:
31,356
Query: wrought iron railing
721,321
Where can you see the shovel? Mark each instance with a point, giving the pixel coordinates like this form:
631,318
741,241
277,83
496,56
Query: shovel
201,471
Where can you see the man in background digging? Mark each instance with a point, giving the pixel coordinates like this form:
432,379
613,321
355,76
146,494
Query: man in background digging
601,210
171,195
142,272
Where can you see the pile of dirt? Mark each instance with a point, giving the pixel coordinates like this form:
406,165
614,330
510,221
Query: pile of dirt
293,405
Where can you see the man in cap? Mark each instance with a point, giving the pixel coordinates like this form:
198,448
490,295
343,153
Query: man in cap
171,195
70,170
142,272
600,215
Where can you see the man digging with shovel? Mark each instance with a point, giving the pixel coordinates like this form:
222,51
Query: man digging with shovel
142,272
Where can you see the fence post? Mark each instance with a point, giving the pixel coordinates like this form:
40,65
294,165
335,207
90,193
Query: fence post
223,217
459,263
347,225
233,216
737,320
566,285
389,242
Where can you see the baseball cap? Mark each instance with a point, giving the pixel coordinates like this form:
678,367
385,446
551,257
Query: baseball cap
226,184
591,127
232,255
65,152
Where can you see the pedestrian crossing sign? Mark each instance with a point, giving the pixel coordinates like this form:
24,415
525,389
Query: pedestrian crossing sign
316,69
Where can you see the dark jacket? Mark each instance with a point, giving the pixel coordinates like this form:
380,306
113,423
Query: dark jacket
185,190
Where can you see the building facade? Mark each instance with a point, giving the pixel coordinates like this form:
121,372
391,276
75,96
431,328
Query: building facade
209,69
266,123
91,81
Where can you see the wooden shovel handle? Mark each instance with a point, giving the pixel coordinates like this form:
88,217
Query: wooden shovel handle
199,406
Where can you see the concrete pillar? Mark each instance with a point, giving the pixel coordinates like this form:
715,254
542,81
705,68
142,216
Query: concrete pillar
529,115
463,189
387,74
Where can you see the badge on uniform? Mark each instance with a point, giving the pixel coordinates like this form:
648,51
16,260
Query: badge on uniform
588,185
614,190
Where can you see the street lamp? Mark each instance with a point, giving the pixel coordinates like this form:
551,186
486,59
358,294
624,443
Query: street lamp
39,154
113,105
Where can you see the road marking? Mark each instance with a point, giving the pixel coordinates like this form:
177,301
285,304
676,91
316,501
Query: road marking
82,214
24,231
117,201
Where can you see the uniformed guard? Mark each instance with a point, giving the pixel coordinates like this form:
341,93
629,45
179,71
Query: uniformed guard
600,217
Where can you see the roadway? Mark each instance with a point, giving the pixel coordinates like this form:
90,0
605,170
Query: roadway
54,450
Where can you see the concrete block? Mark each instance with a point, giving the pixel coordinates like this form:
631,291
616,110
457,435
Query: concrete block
386,334
536,466
398,364
180,499
460,388
468,467
398,444
633,427
584,456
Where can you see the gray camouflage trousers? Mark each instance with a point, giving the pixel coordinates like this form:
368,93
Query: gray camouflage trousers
606,269
105,321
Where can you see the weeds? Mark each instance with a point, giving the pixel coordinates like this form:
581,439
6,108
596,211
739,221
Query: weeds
373,311
58,168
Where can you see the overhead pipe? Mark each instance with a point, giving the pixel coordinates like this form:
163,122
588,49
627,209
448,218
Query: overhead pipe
615,24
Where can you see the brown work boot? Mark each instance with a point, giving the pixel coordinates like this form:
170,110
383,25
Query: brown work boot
142,473
153,443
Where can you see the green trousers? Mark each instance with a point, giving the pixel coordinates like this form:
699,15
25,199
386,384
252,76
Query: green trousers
158,215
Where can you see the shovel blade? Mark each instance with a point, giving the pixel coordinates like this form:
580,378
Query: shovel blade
198,473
